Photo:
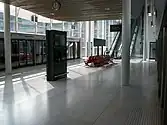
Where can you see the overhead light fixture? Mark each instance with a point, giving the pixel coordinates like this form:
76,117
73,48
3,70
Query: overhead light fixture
149,11
52,14
56,5
152,25
155,12
149,14
107,9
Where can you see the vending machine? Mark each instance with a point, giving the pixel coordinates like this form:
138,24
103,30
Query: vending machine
56,54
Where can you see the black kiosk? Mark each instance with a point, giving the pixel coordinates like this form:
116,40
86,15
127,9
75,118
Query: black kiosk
56,55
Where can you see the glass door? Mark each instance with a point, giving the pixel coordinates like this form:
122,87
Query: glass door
70,51
22,52
38,52
30,50
15,53
2,56
152,50
44,52
78,50
74,51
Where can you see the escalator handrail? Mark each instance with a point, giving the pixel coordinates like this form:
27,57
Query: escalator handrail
134,41
114,43
133,30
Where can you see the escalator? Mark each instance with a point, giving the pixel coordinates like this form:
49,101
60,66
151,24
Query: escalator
116,47
115,44
134,28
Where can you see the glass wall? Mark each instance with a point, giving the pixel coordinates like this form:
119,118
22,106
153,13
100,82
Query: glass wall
41,27
26,26
57,26
12,22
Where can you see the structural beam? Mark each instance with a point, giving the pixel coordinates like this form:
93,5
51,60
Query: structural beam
126,38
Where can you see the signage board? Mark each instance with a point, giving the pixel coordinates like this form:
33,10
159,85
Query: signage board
99,42
116,28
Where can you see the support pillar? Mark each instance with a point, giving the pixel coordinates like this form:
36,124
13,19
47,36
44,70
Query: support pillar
16,19
108,35
91,36
50,24
36,25
63,28
87,38
7,39
145,45
103,29
126,38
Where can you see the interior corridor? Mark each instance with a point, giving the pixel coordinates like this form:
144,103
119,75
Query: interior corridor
93,99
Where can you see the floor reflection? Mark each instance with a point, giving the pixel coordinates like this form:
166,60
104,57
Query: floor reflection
8,92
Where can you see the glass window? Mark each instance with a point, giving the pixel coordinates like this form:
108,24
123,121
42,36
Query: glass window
26,26
66,28
12,22
47,26
76,29
41,28
1,21
57,26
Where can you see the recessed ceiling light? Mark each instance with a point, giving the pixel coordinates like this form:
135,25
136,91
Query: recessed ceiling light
107,8
149,14
52,14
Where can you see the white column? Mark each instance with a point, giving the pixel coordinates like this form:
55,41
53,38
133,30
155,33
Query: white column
72,30
98,27
126,38
16,19
145,45
80,29
108,35
50,24
7,39
91,35
63,26
103,30
36,25
87,38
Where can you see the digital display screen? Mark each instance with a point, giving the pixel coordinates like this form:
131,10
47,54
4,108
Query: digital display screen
99,42
59,40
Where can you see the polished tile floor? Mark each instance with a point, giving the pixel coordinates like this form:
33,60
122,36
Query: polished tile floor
95,97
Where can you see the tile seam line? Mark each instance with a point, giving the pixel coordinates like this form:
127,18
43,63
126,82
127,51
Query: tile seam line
105,108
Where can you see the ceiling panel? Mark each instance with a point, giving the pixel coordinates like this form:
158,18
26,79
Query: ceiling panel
73,10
